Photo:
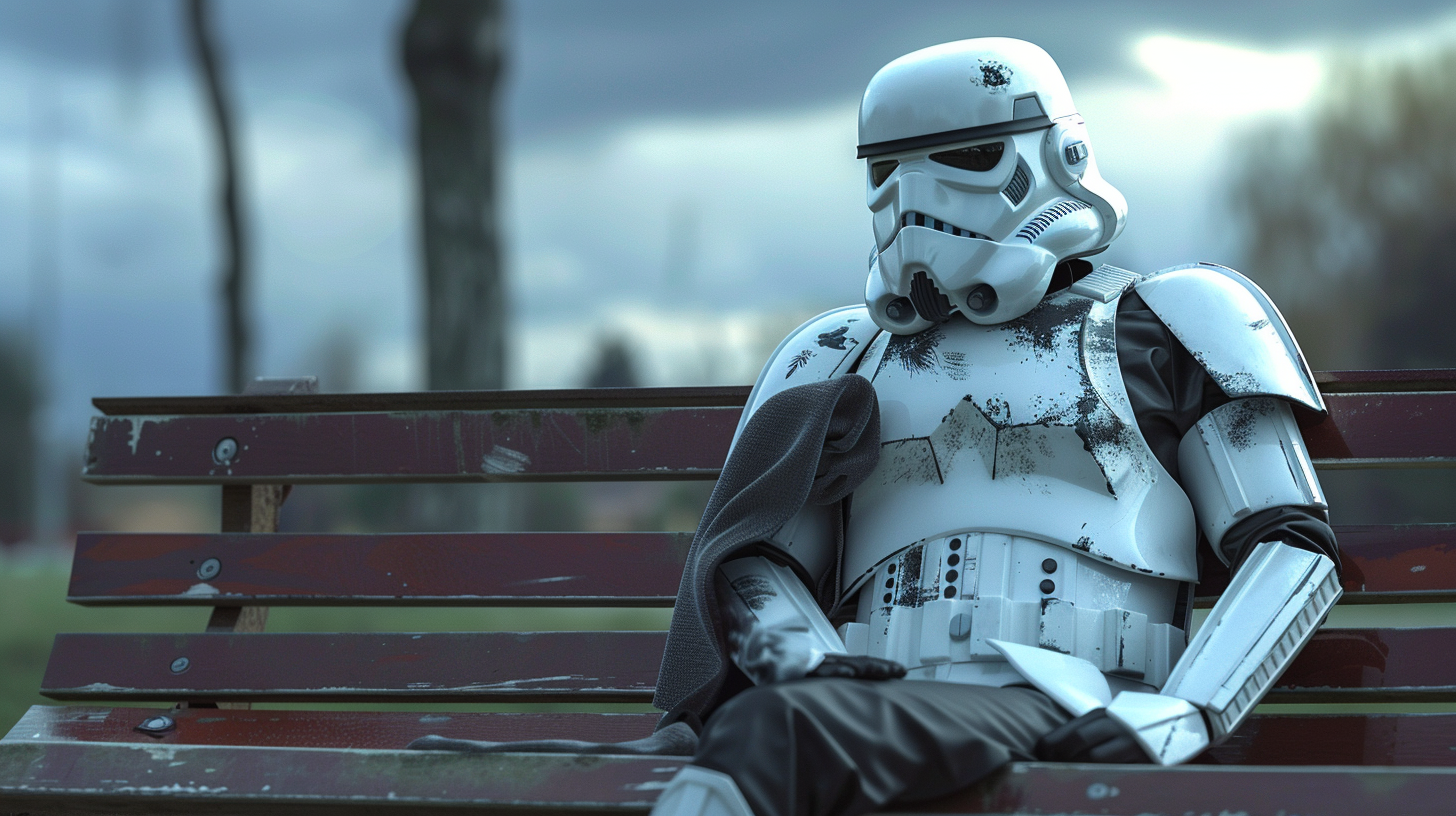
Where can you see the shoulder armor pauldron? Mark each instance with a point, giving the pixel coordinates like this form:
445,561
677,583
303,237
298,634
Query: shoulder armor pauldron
1234,331
825,347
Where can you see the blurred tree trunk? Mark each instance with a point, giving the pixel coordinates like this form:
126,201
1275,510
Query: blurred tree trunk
453,54
237,341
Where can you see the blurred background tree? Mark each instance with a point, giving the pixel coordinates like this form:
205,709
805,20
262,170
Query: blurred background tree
18,397
1350,213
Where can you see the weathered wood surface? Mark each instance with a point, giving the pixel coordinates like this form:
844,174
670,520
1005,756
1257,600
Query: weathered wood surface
456,569
1425,740
1339,665
433,667
581,435
131,778
1382,563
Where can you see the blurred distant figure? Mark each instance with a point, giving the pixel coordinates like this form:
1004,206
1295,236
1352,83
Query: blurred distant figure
614,366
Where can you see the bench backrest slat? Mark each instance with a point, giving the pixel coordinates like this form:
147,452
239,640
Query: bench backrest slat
458,569
602,443
1339,665
1382,563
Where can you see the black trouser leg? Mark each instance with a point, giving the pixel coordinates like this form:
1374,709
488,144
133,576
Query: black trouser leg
838,747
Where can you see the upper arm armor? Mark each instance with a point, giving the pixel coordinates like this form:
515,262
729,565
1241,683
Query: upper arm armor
825,347
1244,457
1230,326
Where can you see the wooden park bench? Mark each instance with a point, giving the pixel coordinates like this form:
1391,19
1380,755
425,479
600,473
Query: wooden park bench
108,752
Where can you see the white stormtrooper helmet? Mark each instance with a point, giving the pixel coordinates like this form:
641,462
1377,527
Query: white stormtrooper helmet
981,180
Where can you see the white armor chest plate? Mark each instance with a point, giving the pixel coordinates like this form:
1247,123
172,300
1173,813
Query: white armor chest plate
1015,499
1022,428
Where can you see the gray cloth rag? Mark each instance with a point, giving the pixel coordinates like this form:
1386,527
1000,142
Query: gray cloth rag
813,443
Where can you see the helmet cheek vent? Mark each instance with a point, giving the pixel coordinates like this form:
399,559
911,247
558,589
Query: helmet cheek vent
929,302
1019,186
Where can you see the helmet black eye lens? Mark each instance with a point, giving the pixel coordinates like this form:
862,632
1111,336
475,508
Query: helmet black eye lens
978,158
879,171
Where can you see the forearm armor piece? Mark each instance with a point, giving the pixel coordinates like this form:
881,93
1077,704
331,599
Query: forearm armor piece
1271,609
776,631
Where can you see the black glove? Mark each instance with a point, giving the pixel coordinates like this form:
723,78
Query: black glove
1092,737
861,667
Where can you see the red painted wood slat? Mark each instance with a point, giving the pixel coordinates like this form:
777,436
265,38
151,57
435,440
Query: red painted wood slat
1382,563
1414,562
458,569
1363,429
435,667
1339,665
460,446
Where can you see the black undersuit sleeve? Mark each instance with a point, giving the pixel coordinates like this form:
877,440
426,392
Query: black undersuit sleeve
1170,392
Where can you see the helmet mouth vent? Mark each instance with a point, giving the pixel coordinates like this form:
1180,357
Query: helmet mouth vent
929,302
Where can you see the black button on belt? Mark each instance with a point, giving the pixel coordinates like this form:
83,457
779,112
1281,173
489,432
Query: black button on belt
1047,587
1049,566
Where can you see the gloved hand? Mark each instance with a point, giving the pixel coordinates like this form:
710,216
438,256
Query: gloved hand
1092,737
861,667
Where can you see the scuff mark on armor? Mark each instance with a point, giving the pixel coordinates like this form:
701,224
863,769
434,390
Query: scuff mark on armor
798,361
835,339
909,591
1084,544
1234,384
954,365
995,76
1259,324
916,353
755,590
1039,329
911,461
1241,423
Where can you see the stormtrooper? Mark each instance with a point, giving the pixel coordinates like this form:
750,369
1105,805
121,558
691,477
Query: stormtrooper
1005,572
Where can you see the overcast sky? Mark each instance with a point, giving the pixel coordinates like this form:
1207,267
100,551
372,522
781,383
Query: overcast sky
681,173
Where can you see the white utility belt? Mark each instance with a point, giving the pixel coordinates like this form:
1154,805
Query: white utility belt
930,639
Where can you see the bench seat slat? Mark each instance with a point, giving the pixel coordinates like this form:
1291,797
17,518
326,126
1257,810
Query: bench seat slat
1283,739
461,446
381,730
435,667
227,780
1362,430
1339,665
459,569
1382,563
